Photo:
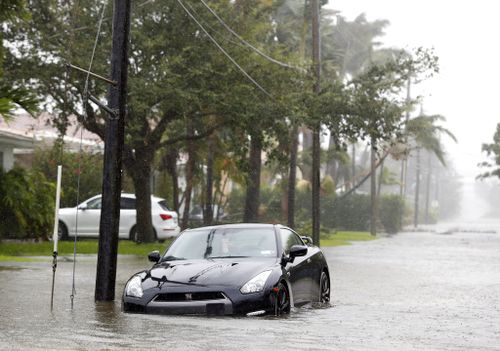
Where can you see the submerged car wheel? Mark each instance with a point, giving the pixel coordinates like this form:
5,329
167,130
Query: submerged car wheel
282,300
324,288
62,232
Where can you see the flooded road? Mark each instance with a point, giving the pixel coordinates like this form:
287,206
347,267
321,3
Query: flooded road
412,291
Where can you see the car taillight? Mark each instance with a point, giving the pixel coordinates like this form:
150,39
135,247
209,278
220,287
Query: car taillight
165,216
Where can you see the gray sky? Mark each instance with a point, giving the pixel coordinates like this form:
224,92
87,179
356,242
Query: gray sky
464,35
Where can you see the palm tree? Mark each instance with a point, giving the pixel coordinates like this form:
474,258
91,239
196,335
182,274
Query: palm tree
426,134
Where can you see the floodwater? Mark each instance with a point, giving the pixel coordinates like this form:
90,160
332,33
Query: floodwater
412,291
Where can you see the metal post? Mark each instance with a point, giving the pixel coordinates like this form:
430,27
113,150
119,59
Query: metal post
114,138
55,234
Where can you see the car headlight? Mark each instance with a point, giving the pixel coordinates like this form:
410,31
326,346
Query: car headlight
134,287
256,284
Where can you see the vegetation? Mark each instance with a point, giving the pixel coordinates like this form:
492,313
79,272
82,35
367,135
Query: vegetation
493,151
204,124
26,204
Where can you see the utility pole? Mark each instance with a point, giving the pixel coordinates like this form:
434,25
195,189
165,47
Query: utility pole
113,141
316,130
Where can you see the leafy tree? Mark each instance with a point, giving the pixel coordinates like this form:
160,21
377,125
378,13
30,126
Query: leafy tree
12,97
493,151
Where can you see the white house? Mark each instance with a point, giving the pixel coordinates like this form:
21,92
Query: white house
10,140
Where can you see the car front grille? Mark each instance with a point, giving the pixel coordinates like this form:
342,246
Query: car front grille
197,296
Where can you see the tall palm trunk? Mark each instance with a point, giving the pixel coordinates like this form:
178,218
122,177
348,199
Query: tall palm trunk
417,190
428,187
373,190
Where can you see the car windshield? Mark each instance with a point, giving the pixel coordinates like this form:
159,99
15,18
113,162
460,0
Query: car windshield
223,243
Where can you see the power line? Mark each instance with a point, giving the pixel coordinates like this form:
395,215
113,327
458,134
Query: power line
222,50
246,42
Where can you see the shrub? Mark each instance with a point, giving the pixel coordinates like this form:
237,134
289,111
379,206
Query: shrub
26,204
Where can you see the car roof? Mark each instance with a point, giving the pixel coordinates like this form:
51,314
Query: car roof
238,225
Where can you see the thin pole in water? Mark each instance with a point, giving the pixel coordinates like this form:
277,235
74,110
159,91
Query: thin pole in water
55,235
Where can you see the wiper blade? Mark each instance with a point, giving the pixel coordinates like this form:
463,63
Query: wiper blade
172,258
227,256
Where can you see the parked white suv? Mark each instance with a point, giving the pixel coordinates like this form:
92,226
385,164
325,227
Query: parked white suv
89,214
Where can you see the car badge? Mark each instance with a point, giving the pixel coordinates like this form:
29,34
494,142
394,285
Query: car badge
188,296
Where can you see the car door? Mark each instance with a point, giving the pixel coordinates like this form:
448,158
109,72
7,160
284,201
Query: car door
298,271
127,216
89,215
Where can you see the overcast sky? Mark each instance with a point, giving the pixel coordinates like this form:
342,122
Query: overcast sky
464,35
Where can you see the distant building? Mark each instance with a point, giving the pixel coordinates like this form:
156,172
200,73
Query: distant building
19,137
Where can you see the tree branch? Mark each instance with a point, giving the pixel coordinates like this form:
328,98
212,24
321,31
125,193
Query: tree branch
187,137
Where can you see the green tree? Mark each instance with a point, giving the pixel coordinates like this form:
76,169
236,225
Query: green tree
493,151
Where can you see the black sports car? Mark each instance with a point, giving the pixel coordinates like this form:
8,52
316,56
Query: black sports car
247,269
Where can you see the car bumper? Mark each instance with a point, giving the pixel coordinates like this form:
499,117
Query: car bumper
231,302
163,233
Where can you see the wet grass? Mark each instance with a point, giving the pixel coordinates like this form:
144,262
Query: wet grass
14,251
18,251
345,238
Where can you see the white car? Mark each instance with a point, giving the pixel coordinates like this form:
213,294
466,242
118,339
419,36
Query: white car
165,221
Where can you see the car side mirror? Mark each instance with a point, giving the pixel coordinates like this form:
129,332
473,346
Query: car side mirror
298,250
83,207
307,239
154,256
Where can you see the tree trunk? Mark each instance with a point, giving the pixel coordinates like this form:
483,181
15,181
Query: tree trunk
428,187
142,186
252,200
292,177
139,167
189,177
417,190
373,189
353,165
380,178
171,166
208,208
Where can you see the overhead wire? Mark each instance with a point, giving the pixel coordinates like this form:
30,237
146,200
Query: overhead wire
224,51
80,152
230,30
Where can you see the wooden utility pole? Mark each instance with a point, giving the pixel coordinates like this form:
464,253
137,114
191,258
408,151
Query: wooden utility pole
113,141
316,130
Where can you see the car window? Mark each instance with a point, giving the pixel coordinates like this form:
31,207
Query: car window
163,205
288,239
224,242
127,203
94,204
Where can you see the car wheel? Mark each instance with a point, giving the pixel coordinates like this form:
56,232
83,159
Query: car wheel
281,300
62,232
324,288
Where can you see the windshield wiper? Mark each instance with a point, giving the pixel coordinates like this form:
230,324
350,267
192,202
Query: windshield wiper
227,256
172,258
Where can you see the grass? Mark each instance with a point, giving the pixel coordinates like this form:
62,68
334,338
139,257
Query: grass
345,238
16,251
13,251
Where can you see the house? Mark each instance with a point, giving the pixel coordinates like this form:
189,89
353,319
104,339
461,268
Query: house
20,136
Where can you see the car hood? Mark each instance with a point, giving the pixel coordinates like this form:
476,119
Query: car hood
225,271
